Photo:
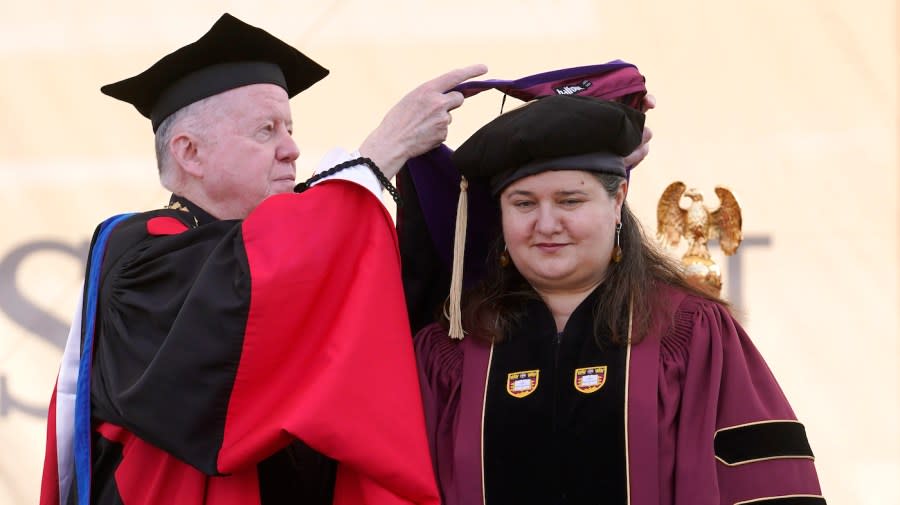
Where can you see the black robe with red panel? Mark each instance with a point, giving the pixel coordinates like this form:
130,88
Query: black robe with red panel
265,360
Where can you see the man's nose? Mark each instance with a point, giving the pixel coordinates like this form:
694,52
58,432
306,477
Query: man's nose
288,150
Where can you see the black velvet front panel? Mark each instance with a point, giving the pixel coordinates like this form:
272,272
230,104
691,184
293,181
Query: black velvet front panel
555,442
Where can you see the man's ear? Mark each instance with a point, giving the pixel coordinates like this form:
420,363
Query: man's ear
185,150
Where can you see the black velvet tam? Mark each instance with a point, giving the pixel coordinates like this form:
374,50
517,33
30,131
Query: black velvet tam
560,132
230,55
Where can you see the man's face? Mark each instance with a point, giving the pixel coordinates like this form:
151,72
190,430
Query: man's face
248,153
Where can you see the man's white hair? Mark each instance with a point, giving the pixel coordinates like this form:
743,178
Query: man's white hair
195,118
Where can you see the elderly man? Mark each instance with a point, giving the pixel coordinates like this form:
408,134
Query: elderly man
247,344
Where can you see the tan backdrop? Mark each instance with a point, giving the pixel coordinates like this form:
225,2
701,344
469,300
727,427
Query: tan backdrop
793,105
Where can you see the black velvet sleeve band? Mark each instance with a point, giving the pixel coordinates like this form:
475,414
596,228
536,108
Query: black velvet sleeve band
786,500
759,441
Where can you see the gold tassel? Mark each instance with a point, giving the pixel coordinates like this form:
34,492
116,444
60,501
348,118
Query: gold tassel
459,251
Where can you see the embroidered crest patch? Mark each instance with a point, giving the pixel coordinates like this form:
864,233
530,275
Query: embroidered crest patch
590,379
522,384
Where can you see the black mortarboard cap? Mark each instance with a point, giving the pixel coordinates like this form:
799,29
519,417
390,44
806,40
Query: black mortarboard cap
553,133
230,55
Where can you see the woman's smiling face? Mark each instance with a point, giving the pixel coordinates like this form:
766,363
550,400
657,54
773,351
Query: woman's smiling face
559,228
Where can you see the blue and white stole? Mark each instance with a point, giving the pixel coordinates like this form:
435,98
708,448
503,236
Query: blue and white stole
73,388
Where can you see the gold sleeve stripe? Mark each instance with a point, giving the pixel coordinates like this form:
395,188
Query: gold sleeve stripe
793,499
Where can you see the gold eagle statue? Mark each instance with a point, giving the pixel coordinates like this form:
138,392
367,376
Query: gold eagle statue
698,225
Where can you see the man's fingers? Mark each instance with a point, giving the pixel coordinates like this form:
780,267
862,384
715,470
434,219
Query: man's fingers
452,78
633,159
454,99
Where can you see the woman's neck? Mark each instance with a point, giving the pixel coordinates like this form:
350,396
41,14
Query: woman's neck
563,303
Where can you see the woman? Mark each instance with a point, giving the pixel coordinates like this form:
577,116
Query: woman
591,371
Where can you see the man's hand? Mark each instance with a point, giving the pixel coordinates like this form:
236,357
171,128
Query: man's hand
642,150
418,122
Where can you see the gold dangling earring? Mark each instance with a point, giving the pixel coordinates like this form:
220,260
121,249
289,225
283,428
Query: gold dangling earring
617,249
504,258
